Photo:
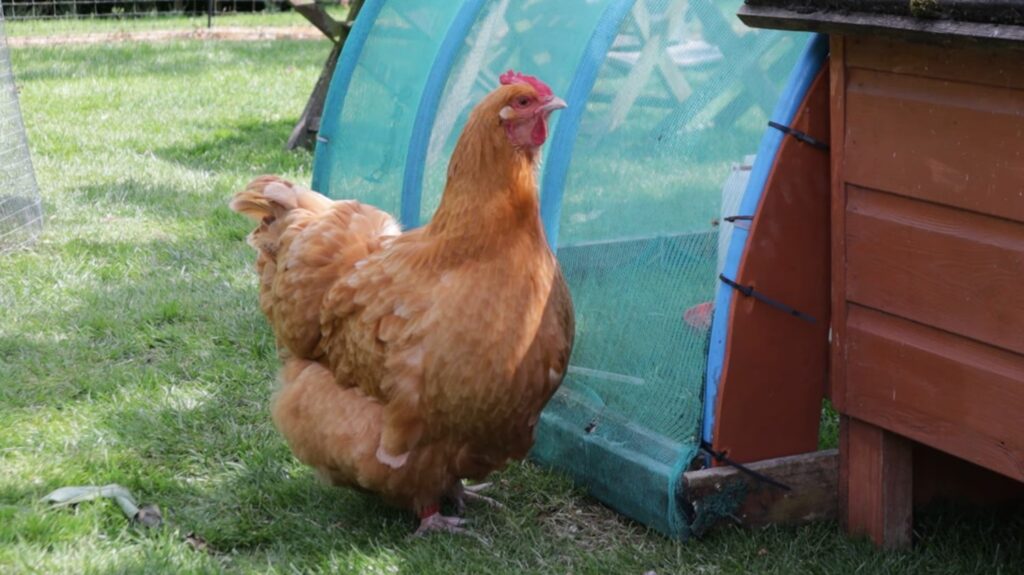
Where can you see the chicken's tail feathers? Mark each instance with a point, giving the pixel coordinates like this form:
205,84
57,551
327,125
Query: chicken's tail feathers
273,196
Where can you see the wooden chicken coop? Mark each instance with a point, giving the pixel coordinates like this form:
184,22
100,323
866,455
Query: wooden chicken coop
927,249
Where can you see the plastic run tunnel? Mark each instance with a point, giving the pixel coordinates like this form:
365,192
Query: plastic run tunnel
669,102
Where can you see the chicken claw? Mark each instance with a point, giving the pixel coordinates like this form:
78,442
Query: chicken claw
462,493
436,522
441,523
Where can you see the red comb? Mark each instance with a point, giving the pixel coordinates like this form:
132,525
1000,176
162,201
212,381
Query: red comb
513,77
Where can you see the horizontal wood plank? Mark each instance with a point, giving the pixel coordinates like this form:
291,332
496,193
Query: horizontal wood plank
952,143
942,390
954,270
978,65
811,478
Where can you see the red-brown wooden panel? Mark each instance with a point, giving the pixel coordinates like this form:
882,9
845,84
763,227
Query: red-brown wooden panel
774,377
934,138
955,270
942,390
976,64
952,143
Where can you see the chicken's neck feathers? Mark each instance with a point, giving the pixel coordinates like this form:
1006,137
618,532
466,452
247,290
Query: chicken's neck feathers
490,195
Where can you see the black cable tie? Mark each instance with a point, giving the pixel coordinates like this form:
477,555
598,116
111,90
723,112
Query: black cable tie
801,136
748,291
721,457
732,219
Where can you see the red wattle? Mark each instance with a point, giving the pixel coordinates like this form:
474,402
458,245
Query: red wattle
540,132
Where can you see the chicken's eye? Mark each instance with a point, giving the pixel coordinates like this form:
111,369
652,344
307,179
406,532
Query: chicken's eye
523,102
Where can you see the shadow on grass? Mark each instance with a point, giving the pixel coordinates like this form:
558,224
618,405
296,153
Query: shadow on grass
198,215
249,148
158,378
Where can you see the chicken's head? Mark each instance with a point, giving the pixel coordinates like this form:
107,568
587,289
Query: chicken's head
526,103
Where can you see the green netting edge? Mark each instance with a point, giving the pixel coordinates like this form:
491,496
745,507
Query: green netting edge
621,463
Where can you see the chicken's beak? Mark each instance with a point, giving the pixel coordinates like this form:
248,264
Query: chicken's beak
556,103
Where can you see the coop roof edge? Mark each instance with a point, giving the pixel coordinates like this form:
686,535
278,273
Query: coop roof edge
997,23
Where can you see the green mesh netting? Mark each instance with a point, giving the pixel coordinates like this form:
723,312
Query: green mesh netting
21,214
668,99
542,37
374,121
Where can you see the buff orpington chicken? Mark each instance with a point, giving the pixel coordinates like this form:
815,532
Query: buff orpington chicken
416,360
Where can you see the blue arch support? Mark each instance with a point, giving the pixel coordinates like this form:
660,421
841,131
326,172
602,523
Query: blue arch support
338,89
564,138
419,140
806,70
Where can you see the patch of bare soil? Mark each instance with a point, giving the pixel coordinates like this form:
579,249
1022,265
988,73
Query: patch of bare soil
229,33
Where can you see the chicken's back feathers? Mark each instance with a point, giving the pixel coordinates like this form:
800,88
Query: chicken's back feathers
305,243
272,196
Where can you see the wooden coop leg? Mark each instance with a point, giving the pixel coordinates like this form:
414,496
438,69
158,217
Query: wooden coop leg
304,133
875,483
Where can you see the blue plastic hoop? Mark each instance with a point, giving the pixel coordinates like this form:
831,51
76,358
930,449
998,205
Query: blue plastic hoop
338,89
564,138
419,140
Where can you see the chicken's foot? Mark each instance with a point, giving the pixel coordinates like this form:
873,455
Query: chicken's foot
462,493
431,521
437,522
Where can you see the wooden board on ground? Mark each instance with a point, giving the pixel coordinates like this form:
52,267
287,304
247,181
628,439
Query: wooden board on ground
811,478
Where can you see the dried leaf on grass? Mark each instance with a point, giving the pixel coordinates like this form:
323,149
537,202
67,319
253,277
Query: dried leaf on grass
147,516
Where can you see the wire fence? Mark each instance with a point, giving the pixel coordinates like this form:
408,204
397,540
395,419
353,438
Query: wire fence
52,9
21,212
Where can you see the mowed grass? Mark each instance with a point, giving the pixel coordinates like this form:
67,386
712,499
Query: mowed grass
132,352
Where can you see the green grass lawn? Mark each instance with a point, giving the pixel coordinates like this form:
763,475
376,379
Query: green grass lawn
132,352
